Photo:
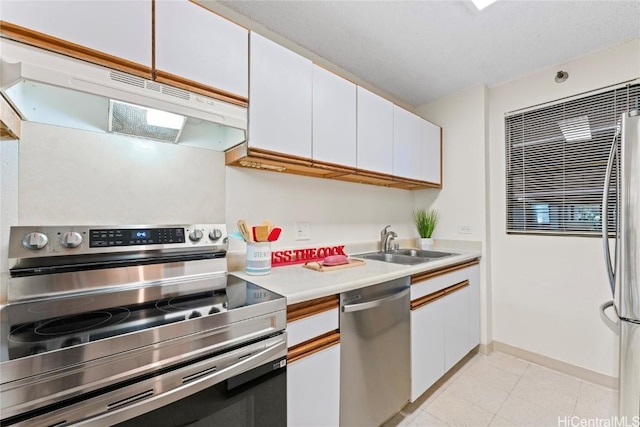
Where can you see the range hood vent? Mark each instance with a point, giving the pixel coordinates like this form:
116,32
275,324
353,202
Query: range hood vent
46,87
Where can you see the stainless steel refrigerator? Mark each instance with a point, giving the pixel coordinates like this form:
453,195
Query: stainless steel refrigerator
623,261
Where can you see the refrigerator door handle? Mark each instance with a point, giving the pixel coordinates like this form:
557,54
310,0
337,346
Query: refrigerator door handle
613,325
605,213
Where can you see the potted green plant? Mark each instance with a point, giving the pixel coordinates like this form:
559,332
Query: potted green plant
425,222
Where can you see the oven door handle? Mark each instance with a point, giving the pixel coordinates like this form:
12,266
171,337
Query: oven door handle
133,407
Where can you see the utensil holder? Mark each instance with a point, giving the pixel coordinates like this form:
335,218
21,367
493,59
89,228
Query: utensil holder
258,258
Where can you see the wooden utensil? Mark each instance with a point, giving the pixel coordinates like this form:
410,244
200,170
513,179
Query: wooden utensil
268,224
244,229
261,233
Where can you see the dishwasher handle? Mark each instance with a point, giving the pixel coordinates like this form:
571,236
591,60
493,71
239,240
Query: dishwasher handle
350,308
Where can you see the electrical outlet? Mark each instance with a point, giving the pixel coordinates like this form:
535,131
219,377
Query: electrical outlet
465,229
303,231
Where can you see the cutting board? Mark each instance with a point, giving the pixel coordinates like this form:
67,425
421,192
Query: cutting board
317,265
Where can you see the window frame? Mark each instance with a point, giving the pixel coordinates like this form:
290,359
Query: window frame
569,207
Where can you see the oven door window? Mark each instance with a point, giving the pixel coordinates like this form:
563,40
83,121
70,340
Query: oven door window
254,398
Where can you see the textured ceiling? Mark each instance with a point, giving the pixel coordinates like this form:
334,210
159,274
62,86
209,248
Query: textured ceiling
418,51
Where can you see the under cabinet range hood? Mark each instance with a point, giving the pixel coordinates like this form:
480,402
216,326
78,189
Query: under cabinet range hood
49,88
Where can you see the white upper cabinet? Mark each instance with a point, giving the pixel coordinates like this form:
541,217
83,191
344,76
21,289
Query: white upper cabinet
196,44
406,143
280,94
334,118
118,28
430,153
375,133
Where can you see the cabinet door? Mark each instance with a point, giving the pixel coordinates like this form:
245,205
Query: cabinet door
456,327
280,94
313,389
474,306
427,346
375,133
406,143
430,153
118,28
334,118
195,43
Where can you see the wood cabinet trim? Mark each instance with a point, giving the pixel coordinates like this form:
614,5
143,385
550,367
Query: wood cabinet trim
434,296
314,345
441,157
309,308
257,158
273,155
54,44
421,277
10,121
427,299
192,86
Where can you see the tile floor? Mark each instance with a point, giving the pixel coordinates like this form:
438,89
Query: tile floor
501,390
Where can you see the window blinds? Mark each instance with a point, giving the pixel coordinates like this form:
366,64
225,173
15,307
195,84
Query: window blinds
556,157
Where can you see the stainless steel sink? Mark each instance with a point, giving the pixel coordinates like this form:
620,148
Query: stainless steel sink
393,258
405,256
422,254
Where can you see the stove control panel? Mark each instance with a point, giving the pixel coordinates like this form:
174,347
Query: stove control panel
138,236
48,241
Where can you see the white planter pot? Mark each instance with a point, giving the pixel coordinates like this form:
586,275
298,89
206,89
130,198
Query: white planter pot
425,244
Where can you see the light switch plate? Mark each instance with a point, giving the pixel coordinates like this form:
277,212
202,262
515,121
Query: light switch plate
302,230
465,229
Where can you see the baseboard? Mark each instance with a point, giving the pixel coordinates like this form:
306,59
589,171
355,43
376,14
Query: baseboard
556,365
485,349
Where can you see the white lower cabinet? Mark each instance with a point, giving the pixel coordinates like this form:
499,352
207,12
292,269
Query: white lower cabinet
456,327
427,346
313,389
474,306
445,323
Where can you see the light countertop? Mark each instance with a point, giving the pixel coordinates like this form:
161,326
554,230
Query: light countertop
299,284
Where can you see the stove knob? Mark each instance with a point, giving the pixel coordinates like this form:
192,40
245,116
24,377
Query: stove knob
195,235
215,234
194,314
214,310
35,241
70,342
71,239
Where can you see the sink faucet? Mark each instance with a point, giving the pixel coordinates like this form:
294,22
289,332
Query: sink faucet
385,239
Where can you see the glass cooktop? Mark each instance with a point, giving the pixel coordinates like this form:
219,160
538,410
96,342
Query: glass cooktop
46,332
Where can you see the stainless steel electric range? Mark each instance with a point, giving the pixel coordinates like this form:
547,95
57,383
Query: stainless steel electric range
136,325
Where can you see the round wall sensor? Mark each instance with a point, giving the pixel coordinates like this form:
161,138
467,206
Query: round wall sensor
561,76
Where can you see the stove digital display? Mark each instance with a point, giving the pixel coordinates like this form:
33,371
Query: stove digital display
140,234
123,237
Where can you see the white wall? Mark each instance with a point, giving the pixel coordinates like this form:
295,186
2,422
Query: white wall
546,290
338,212
8,195
462,200
69,176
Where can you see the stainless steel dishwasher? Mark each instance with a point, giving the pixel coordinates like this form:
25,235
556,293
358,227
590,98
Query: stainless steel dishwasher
374,353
